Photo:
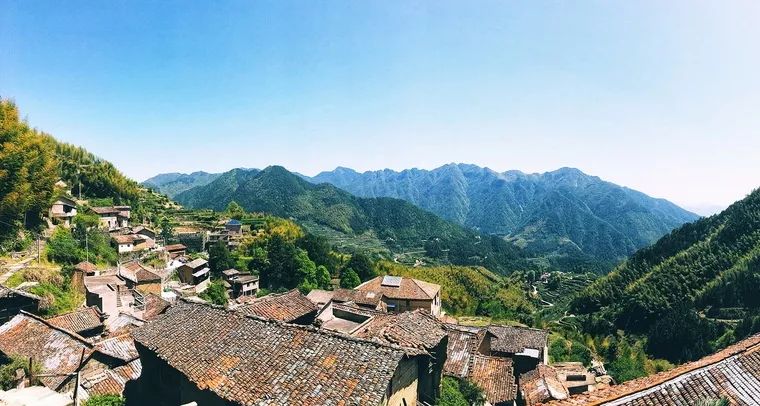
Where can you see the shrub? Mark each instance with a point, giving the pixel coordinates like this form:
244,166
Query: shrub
105,400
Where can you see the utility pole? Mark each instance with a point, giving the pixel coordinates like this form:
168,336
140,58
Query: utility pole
38,249
86,245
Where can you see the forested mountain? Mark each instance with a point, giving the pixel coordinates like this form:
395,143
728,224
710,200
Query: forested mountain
398,224
690,288
564,212
172,184
31,162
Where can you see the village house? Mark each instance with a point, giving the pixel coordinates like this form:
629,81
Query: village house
137,276
13,301
145,232
405,294
542,385
195,273
109,293
290,307
238,359
112,217
175,250
63,210
731,374
132,243
494,356
113,363
81,270
87,322
59,352
240,283
234,227
424,341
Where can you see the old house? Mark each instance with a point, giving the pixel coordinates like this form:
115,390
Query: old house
63,210
59,352
112,364
290,307
424,341
527,347
81,270
137,276
362,298
492,357
132,243
145,232
237,359
405,294
13,301
195,272
87,322
542,385
730,374
175,250
108,217
244,285
233,227
108,292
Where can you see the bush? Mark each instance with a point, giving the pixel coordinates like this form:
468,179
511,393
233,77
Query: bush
105,400
216,293
8,372
63,248
349,279
456,392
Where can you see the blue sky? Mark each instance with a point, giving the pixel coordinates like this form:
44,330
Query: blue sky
659,96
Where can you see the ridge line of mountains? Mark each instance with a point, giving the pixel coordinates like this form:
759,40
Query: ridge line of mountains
565,217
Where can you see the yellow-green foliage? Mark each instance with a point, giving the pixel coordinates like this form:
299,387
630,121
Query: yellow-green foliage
470,291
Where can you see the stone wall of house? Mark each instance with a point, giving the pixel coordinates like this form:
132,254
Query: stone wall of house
403,387
408,305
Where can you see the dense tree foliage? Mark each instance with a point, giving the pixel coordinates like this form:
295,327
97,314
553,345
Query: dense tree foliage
219,258
349,279
216,293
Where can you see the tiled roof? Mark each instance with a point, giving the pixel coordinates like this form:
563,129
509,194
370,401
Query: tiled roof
247,360
122,323
154,306
411,289
80,320
105,381
511,339
57,351
105,210
462,346
416,331
85,266
351,307
175,247
360,297
542,384
126,238
138,273
320,297
6,292
121,347
494,375
733,373
197,263
286,307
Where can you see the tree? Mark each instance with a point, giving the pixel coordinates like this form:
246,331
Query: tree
105,400
323,277
63,248
235,210
167,229
680,335
219,258
349,279
216,293
362,266
319,250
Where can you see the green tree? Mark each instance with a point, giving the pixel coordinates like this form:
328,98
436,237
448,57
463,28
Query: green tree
216,293
323,277
167,229
105,400
219,258
235,210
63,248
362,266
349,279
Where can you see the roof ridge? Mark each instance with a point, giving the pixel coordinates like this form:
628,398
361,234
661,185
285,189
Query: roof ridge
62,330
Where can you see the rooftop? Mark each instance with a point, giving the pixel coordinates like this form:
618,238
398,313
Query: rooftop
494,375
462,347
57,350
406,288
197,263
320,297
80,320
137,272
249,360
510,339
732,373
175,247
417,331
85,266
360,297
542,384
105,210
288,307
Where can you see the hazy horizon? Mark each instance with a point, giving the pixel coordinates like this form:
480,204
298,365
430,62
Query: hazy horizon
657,97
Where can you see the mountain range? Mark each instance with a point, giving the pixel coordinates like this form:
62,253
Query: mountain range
397,224
560,214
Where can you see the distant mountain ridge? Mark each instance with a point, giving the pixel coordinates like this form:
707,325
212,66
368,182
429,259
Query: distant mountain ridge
565,211
172,184
399,225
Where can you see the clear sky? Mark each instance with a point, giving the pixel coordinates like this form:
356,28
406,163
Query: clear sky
663,97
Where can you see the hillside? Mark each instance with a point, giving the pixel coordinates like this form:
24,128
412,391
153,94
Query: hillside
172,184
566,212
399,225
709,268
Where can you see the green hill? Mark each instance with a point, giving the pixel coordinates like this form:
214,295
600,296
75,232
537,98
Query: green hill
172,184
399,225
706,273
